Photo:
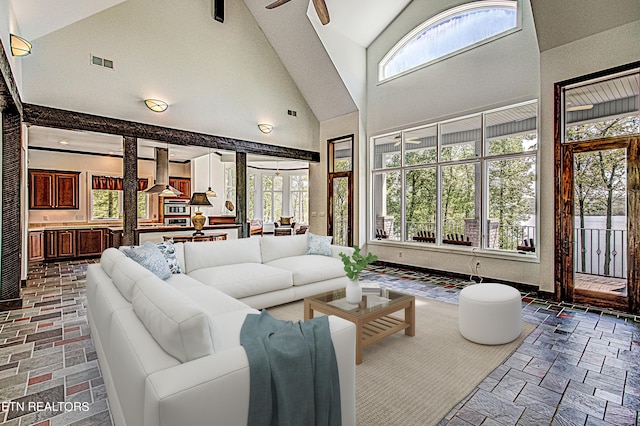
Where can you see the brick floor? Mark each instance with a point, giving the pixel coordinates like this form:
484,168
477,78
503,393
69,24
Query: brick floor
580,366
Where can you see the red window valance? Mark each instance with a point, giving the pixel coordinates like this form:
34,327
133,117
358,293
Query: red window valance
115,183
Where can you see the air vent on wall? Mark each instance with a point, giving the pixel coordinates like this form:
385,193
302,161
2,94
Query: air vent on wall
101,62
292,113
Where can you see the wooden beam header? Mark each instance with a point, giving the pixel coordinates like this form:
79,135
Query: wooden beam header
63,119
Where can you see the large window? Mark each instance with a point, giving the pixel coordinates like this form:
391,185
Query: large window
299,196
448,33
251,196
107,204
106,198
271,197
468,182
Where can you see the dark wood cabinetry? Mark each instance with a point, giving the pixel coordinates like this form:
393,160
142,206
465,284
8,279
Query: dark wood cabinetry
91,242
115,237
181,184
50,189
56,244
60,244
36,246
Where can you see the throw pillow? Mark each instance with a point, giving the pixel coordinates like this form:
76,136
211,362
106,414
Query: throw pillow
285,221
149,256
169,251
319,244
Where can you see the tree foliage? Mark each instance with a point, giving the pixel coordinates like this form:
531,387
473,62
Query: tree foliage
600,179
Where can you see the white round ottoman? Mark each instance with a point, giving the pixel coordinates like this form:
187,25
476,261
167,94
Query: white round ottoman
489,313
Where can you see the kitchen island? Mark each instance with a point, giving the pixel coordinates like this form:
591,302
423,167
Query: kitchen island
66,241
155,233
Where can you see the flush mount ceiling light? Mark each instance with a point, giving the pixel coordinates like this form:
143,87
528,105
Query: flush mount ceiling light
156,105
19,46
265,128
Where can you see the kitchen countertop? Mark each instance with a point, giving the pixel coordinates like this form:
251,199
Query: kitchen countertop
118,227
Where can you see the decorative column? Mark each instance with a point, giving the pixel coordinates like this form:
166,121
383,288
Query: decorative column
241,194
10,259
130,190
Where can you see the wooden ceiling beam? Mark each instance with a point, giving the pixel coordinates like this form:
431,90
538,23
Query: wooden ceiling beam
63,119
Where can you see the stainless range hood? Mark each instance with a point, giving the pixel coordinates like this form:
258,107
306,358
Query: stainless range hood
161,182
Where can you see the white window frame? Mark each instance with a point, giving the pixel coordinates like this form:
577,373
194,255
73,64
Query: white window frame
481,186
120,204
483,4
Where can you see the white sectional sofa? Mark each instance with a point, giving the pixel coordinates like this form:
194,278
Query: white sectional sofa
169,350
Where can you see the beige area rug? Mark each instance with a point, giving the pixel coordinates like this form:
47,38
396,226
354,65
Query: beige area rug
417,380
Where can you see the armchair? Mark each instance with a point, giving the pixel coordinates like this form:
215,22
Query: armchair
285,222
255,227
284,226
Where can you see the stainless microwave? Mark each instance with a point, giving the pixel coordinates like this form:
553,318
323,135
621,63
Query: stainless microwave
176,221
176,207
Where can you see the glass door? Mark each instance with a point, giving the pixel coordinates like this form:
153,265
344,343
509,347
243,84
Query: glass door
598,193
596,231
340,200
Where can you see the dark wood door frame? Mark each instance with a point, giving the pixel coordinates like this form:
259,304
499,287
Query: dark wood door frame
565,224
333,175
563,158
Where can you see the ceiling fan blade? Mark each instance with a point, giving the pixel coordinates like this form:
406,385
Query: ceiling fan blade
322,11
277,3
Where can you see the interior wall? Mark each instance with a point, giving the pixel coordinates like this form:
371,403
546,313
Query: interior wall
318,173
220,79
201,169
503,72
599,52
91,164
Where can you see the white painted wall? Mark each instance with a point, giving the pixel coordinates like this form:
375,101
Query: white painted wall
220,79
89,165
499,73
599,52
318,195
9,25
502,72
200,181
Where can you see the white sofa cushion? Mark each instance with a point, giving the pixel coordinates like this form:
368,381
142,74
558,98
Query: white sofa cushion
310,268
245,279
179,326
125,273
212,300
226,328
109,258
278,247
217,253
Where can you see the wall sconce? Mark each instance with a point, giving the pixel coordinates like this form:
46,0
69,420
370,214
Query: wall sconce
19,46
156,105
265,128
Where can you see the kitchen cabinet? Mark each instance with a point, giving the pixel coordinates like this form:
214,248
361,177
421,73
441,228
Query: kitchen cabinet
51,189
181,184
115,237
60,244
91,242
36,246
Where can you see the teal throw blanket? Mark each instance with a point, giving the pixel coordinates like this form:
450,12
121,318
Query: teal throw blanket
294,372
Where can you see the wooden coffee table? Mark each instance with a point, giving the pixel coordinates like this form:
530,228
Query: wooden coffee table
372,316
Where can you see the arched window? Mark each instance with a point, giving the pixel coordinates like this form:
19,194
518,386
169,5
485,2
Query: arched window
448,33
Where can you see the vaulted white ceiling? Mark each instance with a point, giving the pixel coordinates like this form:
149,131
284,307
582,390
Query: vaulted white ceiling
330,78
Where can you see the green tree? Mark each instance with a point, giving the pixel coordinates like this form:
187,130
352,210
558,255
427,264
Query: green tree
511,189
600,178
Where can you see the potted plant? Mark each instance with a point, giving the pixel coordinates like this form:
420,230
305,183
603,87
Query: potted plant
353,265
